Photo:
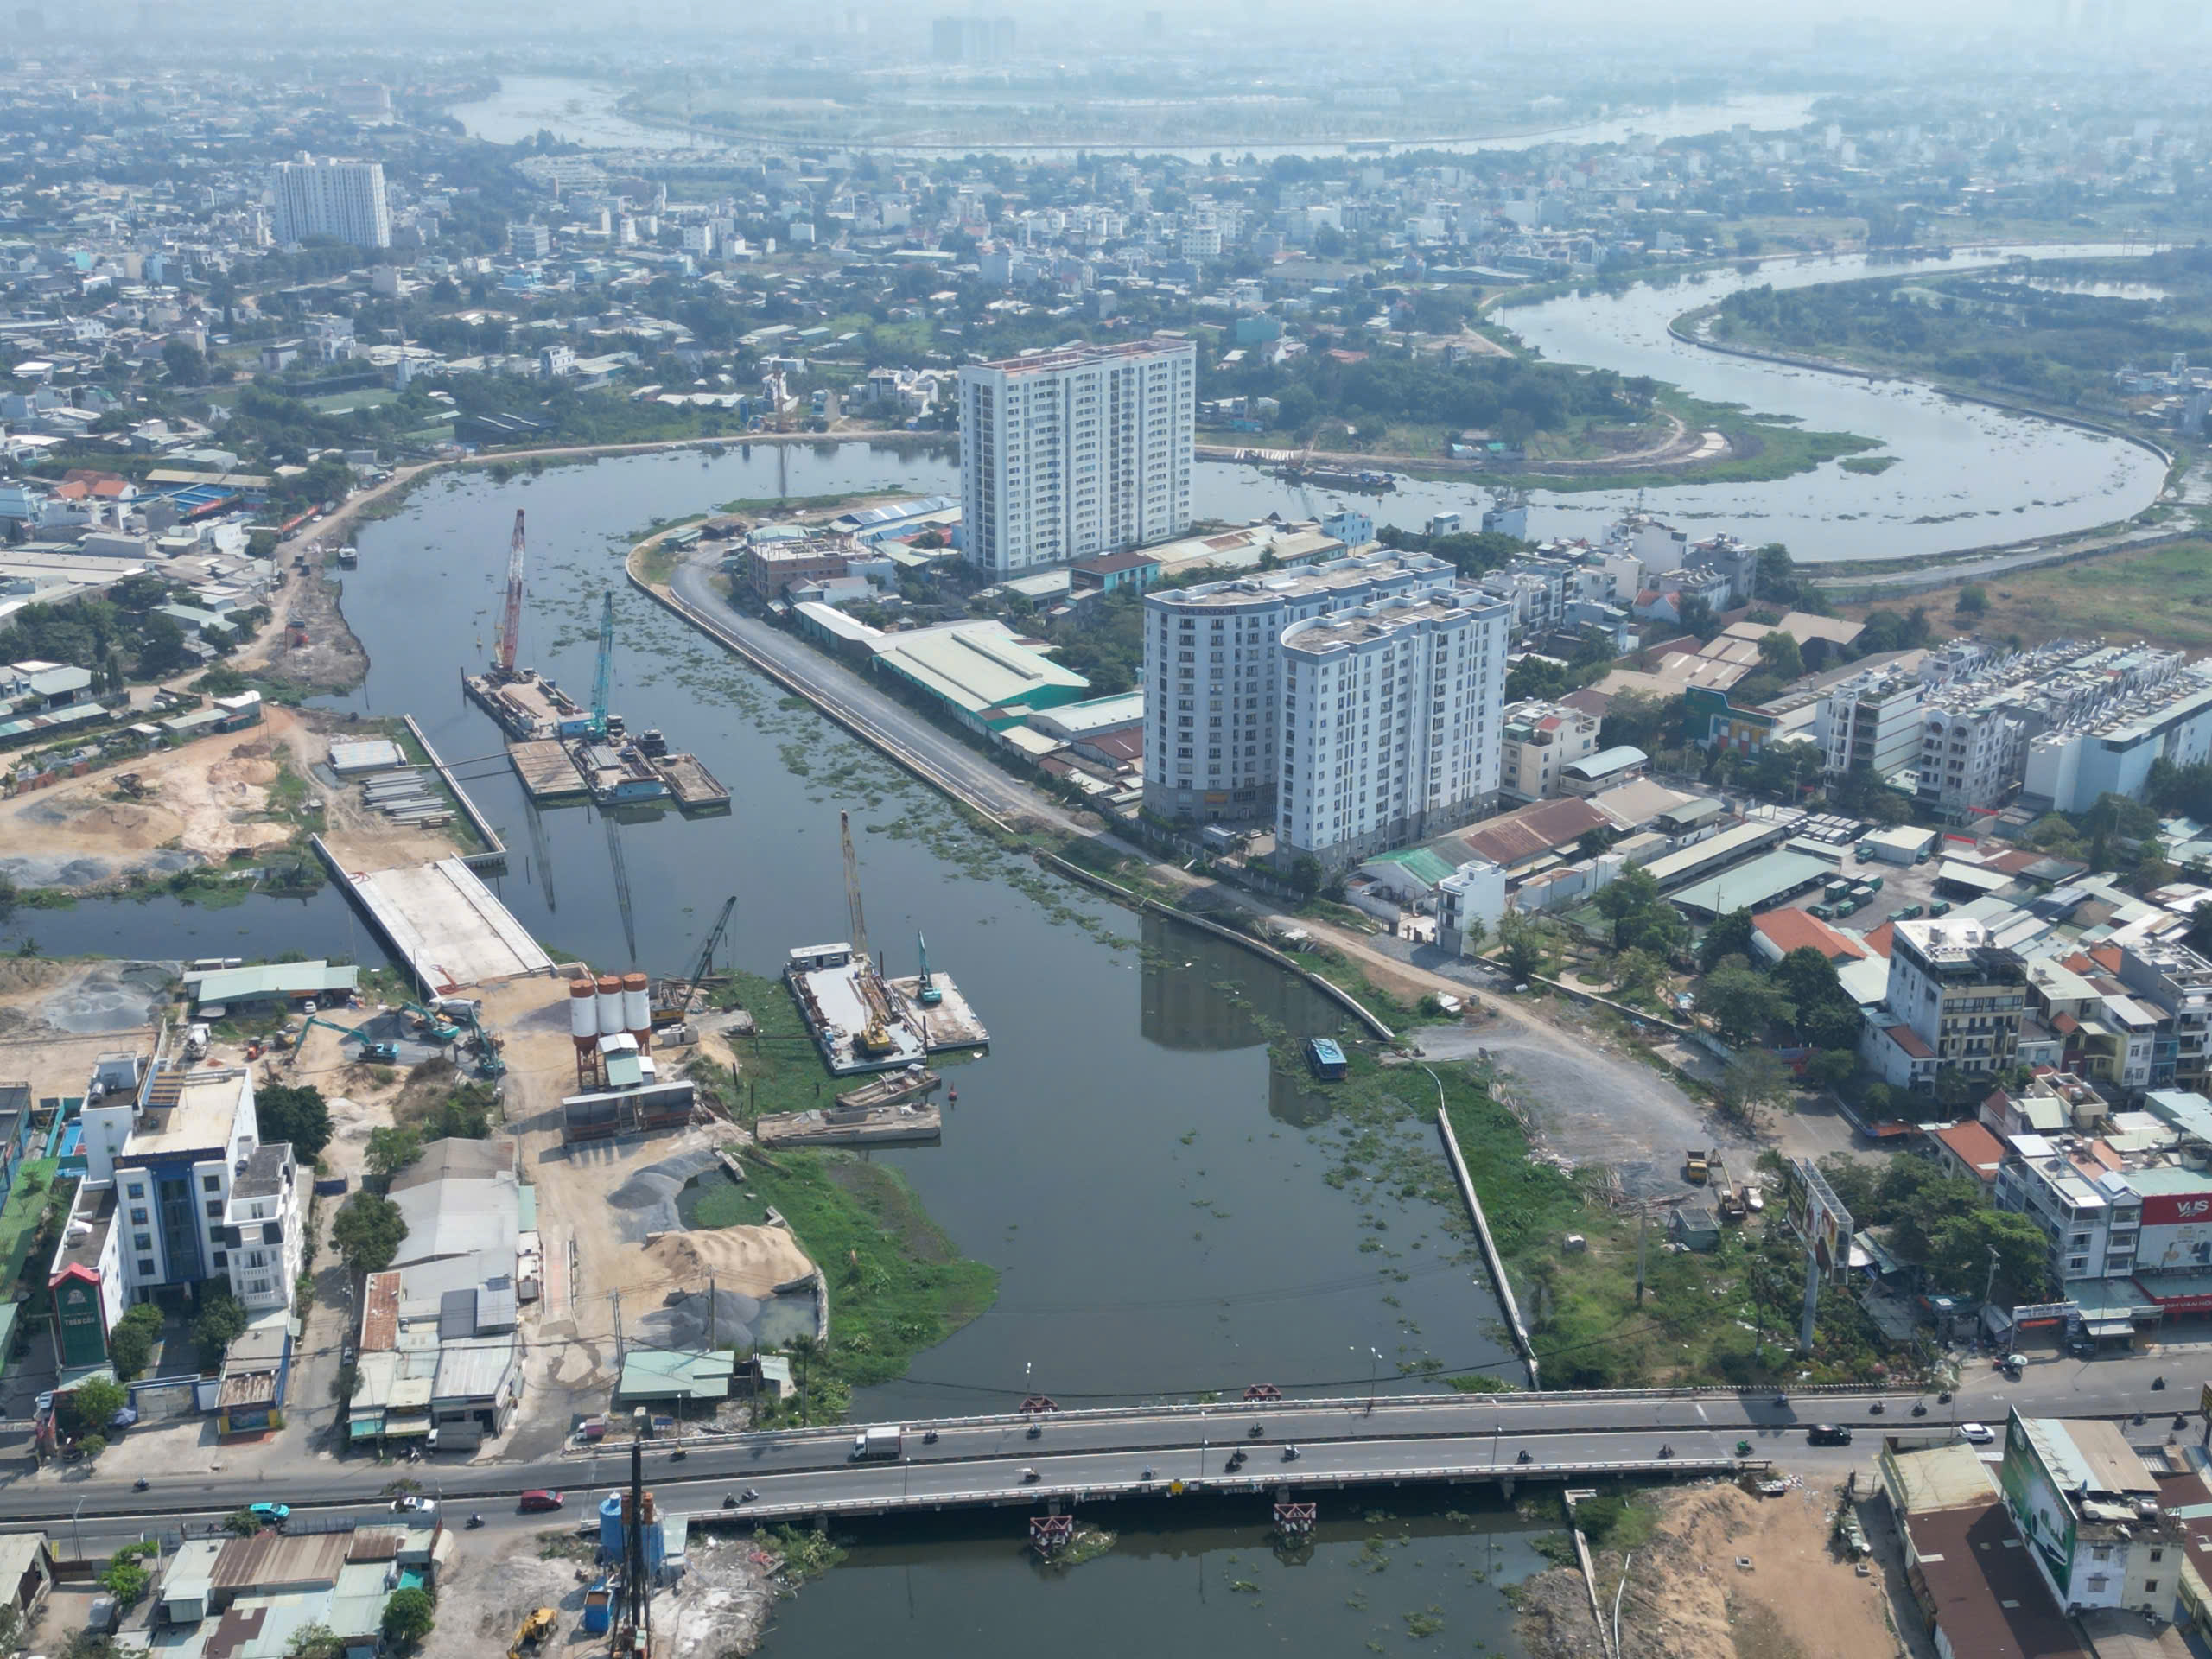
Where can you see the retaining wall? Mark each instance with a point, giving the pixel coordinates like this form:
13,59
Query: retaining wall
1490,1249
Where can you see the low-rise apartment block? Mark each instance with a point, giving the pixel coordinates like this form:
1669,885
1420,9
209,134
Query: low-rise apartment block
1540,741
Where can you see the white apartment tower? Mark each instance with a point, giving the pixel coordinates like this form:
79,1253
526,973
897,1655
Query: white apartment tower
1213,678
344,200
1390,715
1071,453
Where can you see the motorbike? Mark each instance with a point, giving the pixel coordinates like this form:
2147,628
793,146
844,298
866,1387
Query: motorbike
1781,1399
1876,1409
930,1439
1524,1457
1743,1448
678,1455
748,1494
730,1500
2156,1384
1666,1451
2181,1419
1148,1472
1035,1430
140,1485
1256,1430
474,1522
1919,1410
1290,1454
1028,1475
1944,1398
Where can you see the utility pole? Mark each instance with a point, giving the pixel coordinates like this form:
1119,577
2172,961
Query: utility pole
1643,1227
1989,1283
1812,1298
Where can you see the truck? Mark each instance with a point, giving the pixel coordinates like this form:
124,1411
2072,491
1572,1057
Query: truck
195,1042
1693,1165
879,1441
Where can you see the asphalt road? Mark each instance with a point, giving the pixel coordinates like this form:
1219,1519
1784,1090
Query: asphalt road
810,1470
941,758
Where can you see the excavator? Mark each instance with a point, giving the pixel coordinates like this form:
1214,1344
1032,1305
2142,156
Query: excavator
372,1053
533,1630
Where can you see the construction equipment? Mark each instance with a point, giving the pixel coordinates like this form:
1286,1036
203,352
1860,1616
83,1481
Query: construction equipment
1693,1165
926,992
488,1062
672,997
435,1026
533,1629
875,1038
510,619
1725,1191
604,673
371,1050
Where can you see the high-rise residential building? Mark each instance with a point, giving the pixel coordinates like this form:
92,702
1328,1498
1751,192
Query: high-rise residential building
1390,723
528,239
342,200
972,40
1213,678
1870,723
1071,453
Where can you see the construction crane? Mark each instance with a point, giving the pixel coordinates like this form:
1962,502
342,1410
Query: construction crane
926,992
853,889
511,621
672,997
621,870
605,672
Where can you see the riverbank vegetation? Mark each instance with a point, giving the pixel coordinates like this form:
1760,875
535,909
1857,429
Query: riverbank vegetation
2053,334
2160,595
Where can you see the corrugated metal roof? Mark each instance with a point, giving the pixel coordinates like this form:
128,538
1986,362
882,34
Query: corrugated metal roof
273,979
273,1561
456,1315
473,1369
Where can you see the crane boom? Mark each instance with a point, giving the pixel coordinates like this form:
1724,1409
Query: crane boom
706,962
852,889
605,672
511,621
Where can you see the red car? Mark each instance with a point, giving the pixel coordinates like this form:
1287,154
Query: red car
536,1502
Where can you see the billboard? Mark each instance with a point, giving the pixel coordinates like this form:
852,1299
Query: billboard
1818,1217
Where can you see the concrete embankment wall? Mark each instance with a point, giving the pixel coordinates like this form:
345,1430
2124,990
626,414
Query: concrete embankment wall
495,850
1505,1298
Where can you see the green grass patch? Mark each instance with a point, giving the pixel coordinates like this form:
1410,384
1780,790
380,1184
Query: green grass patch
1872,466
896,1284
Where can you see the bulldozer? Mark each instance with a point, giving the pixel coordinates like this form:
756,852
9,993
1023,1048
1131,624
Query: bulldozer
533,1630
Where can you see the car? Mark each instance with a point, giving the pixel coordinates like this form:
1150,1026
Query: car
270,1515
1976,1434
1827,1434
536,1502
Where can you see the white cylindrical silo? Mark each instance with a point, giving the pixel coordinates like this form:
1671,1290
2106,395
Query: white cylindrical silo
637,1003
610,1006
583,1010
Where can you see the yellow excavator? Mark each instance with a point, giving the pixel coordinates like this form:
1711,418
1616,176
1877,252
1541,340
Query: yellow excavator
533,1630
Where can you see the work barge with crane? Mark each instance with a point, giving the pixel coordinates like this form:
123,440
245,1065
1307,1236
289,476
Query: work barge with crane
563,750
862,1021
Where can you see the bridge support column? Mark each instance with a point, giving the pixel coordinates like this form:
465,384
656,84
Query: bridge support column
1505,1489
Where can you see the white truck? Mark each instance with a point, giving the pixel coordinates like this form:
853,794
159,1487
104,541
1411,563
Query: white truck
882,1441
195,1042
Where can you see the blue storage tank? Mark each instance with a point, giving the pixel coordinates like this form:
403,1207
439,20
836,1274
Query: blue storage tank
610,1528
656,1551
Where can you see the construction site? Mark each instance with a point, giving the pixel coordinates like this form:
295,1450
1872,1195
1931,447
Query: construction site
861,1021
561,750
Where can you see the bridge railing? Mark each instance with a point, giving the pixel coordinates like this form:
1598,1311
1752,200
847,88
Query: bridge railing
1308,1480
1471,1403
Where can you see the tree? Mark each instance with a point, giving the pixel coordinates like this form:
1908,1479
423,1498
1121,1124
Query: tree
1742,1002
187,364
1729,936
1698,619
316,1641
1523,945
1754,1082
1973,599
391,1149
1832,1067
296,1112
1959,1247
125,1578
1777,574
368,1232
1779,652
94,1400
409,1616
1473,931
222,1320
130,1345
1626,895
1306,874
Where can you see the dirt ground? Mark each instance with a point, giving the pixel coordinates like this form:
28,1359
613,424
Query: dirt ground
197,803
57,1018
1688,1596
727,1594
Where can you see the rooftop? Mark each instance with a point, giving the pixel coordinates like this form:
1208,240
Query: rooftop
201,1121
1083,355
976,665
1365,624
1988,1598
1282,587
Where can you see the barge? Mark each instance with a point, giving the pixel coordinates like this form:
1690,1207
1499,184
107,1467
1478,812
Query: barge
695,788
528,709
845,1125
546,772
617,773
